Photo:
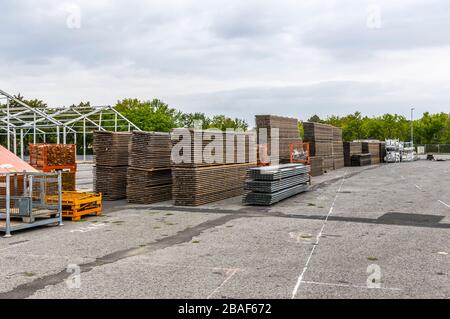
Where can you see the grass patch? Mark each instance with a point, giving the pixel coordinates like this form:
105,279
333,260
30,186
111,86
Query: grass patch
311,204
196,242
28,274
118,222
371,258
169,214
80,221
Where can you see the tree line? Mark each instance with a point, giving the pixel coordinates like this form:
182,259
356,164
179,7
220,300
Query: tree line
429,129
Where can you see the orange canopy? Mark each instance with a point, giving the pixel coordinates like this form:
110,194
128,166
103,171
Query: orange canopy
10,163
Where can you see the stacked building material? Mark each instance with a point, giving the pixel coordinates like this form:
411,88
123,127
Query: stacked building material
111,151
206,169
194,186
338,148
316,166
382,151
361,159
320,138
372,148
350,149
195,148
149,178
271,184
287,133
51,158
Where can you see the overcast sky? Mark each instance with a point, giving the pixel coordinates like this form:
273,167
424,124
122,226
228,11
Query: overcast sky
238,58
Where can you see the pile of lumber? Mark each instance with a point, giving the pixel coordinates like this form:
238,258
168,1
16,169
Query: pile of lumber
338,148
382,151
288,134
111,150
361,160
316,166
195,148
111,181
372,148
194,186
271,184
350,149
320,138
209,166
49,156
149,178
149,186
68,181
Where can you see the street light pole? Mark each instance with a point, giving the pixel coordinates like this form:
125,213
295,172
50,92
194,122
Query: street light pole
412,127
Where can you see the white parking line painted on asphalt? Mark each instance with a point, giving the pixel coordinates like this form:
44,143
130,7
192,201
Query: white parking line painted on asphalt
305,268
445,204
348,286
418,187
230,274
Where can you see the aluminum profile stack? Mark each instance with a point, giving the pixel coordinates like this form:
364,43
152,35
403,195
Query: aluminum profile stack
361,160
111,163
149,178
320,138
372,148
199,179
194,186
272,184
350,149
287,132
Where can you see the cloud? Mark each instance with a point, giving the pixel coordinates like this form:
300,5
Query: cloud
234,57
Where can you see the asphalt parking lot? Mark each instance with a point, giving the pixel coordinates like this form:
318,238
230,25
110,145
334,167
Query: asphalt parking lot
373,232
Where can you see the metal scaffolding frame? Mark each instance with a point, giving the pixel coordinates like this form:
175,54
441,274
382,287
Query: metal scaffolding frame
18,120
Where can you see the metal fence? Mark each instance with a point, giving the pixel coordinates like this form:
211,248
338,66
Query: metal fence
433,149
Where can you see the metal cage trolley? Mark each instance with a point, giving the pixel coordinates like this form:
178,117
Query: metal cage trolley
25,200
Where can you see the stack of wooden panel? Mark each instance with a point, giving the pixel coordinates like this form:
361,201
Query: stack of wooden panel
149,178
287,133
382,151
193,148
111,163
338,148
206,169
372,148
271,184
350,149
316,166
320,138
194,186
361,160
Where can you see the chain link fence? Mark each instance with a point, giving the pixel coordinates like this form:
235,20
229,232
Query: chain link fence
433,149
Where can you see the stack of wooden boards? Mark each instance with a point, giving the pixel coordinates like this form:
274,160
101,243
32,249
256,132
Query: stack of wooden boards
350,149
271,184
325,143
288,134
361,160
149,177
50,158
198,179
111,151
372,148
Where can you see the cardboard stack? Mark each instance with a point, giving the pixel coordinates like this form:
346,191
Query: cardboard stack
111,150
149,178
209,168
287,133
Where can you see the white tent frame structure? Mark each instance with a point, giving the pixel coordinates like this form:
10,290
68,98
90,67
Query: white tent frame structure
17,120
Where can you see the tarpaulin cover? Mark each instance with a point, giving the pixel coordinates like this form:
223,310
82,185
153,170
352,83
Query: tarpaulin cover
10,163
